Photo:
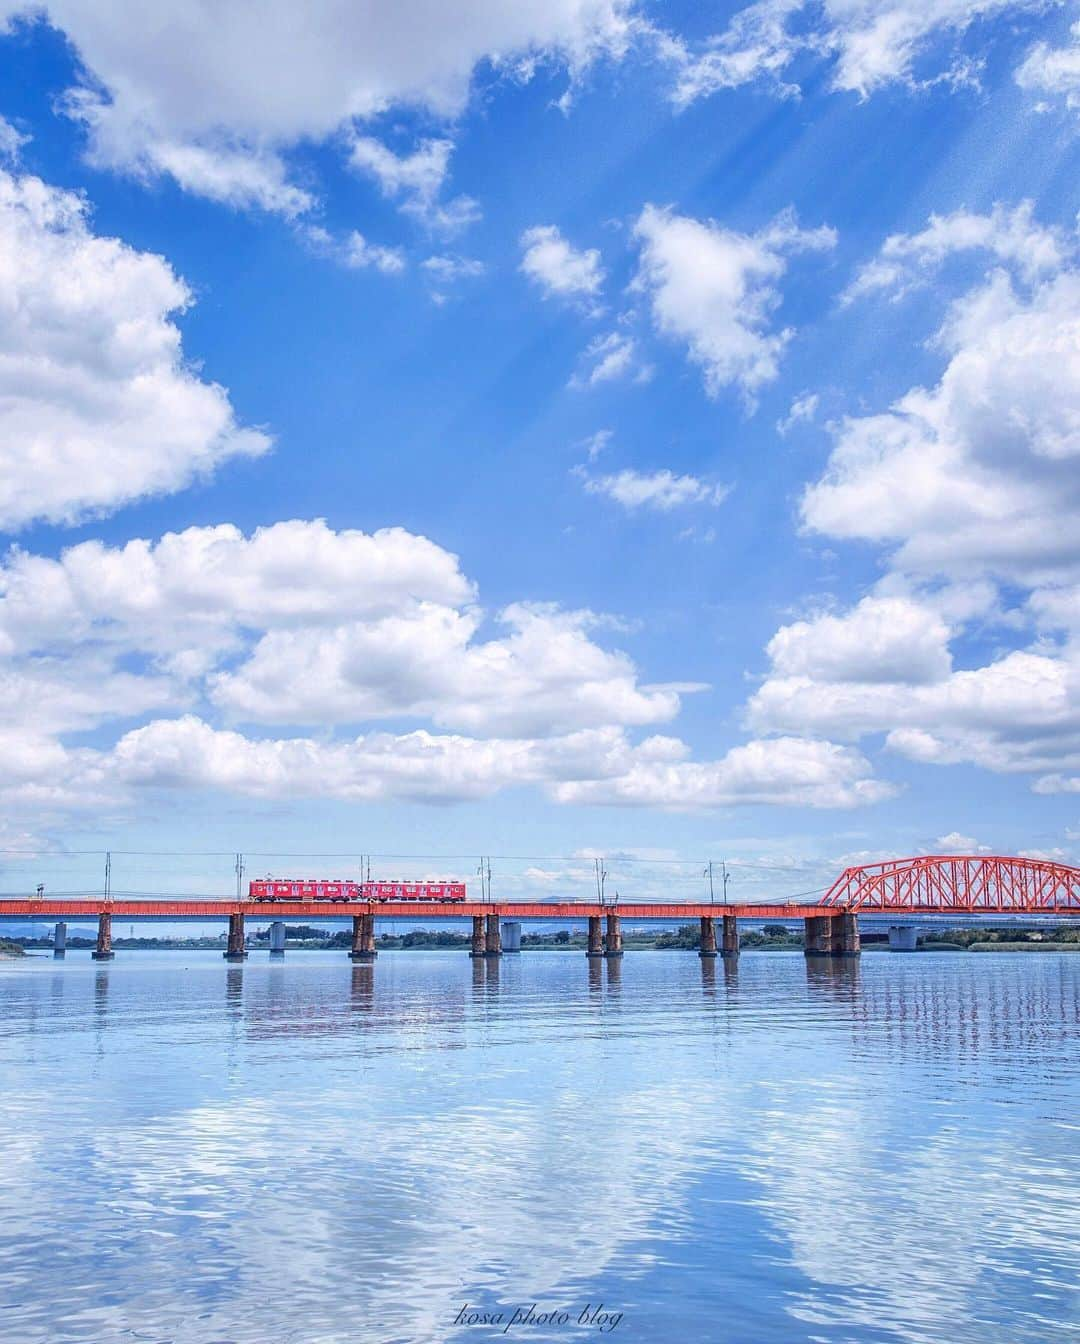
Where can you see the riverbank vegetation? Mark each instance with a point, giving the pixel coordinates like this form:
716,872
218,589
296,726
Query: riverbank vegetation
687,937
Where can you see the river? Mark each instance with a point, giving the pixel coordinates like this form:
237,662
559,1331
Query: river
308,1152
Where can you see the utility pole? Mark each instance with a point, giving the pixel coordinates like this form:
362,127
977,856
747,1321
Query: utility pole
108,875
725,872
239,877
601,878
708,873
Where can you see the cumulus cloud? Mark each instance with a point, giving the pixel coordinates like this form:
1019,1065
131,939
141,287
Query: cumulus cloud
869,43
200,588
659,490
1012,236
955,843
1019,713
297,624
560,270
792,771
596,766
97,403
416,180
978,474
199,94
716,290
610,357
545,676
971,487
1054,71
885,667
882,639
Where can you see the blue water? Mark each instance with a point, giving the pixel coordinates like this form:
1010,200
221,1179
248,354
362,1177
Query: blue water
312,1153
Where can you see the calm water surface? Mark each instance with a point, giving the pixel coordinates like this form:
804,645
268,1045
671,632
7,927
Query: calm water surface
314,1152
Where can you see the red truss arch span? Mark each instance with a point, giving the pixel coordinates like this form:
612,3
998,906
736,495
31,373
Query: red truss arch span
943,883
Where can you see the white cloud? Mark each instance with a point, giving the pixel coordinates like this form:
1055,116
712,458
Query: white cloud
546,676
596,443
97,404
11,141
446,269
955,843
660,490
1055,855
871,43
881,640
755,46
561,271
1020,713
596,767
1013,237
717,290
354,251
1057,784
298,624
416,180
789,771
977,475
803,409
188,753
1054,71
612,356
216,96
199,589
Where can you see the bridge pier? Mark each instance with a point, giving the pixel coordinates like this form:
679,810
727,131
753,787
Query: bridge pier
234,948
903,938
277,938
59,946
846,935
819,937
729,945
613,938
708,936
493,941
596,938
511,936
103,951
363,938
479,940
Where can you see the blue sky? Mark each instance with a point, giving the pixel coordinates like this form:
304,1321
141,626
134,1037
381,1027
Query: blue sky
691,398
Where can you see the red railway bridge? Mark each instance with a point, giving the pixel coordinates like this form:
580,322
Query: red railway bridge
901,889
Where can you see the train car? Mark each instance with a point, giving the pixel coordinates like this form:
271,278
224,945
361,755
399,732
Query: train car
339,891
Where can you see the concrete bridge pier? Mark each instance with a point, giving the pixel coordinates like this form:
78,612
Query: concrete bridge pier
277,938
511,936
59,945
493,941
708,936
234,948
596,938
729,945
363,938
103,951
479,940
613,938
846,935
819,936
903,938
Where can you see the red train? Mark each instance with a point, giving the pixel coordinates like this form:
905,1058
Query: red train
322,889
